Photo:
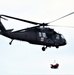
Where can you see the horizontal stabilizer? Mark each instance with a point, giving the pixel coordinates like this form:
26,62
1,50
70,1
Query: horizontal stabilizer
10,30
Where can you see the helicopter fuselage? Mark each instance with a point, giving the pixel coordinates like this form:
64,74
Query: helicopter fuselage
40,36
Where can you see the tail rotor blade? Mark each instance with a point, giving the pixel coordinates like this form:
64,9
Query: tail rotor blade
4,18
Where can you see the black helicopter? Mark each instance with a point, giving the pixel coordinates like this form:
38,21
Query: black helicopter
40,34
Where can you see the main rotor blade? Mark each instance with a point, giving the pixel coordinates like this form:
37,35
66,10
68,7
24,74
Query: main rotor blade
61,17
21,19
62,26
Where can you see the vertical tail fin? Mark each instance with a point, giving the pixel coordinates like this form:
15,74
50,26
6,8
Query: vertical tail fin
2,28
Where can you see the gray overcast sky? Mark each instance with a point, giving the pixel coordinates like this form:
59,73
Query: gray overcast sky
24,58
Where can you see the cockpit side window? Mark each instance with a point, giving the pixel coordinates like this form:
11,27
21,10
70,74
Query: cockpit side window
57,37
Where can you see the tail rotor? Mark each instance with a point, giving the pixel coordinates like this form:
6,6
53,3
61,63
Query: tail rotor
3,18
2,28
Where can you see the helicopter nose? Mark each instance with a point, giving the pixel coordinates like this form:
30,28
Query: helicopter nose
64,41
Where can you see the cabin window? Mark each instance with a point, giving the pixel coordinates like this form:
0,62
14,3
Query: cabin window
42,34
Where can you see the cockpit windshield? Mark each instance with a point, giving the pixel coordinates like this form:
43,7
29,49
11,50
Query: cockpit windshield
62,36
59,35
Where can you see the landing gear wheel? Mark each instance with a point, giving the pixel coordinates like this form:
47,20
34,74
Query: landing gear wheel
57,46
43,48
